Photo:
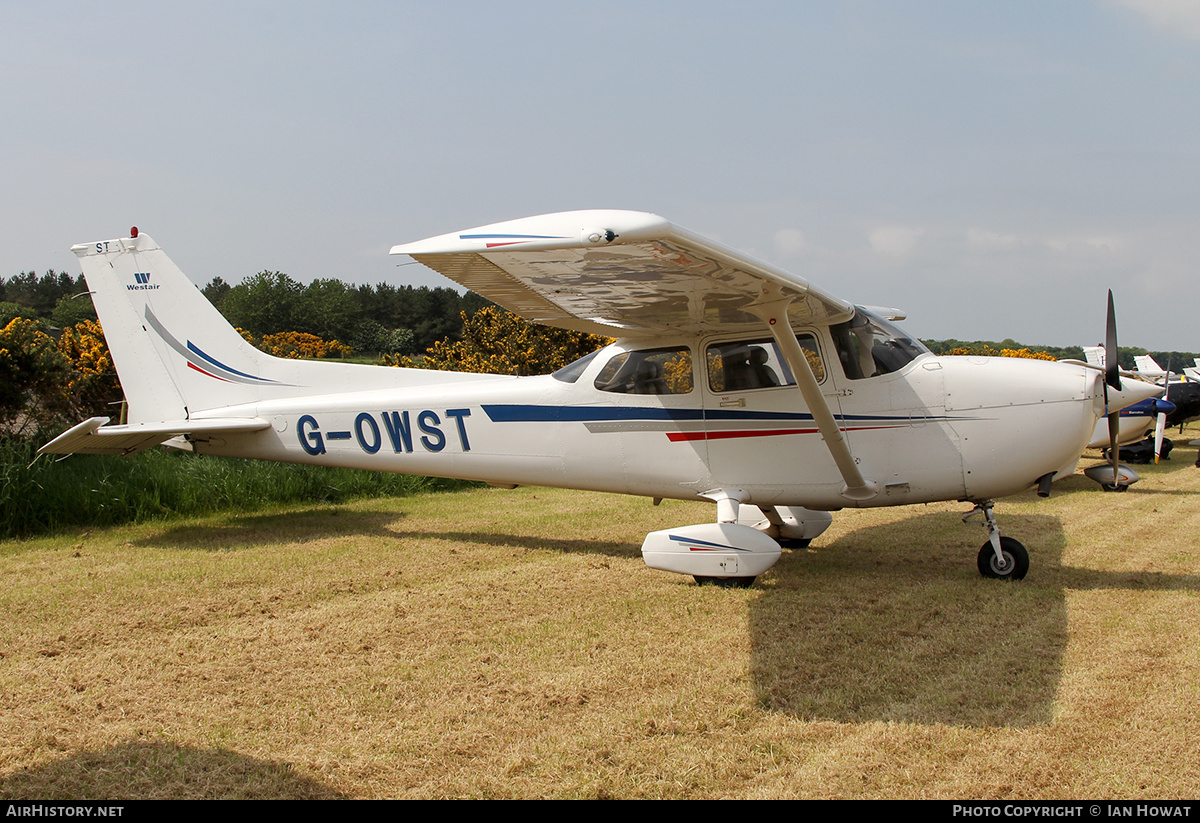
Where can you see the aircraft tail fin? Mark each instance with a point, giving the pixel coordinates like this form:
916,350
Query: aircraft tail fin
1146,364
173,350
176,354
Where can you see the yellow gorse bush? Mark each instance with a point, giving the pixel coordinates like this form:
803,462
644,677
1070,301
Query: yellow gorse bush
677,373
495,341
34,378
1028,354
988,351
84,345
297,345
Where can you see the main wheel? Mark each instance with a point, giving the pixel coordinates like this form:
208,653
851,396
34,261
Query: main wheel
725,582
1015,565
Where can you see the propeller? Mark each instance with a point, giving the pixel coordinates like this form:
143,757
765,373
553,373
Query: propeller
1160,427
1112,377
1162,407
1160,422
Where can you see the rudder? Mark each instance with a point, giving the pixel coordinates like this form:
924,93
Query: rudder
174,352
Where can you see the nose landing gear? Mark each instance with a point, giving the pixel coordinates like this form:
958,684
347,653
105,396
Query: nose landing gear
1001,558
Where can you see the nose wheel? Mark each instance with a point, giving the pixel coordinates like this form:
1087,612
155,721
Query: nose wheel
1001,558
1011,564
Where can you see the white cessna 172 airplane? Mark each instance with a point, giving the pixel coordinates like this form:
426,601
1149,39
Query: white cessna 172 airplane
731,380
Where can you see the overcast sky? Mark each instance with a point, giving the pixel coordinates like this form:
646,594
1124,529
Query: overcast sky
990,167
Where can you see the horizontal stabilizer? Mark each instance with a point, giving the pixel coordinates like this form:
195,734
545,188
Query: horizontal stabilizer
93,437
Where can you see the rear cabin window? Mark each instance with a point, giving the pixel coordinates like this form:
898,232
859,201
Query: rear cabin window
744,365
649,371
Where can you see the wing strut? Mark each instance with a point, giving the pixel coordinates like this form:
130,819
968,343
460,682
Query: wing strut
772,309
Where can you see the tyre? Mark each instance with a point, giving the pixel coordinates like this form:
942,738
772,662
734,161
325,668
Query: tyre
725,582
1016,560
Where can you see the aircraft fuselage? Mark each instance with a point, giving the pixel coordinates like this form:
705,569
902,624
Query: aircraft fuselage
926,432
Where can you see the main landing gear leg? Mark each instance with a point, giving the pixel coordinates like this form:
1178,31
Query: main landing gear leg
1002,558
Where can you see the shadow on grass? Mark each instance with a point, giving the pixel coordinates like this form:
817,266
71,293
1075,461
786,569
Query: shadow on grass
141,770
530,542
867,628
252,530
894,623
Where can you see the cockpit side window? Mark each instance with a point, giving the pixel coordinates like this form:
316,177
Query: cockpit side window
649,371
869,346
743,365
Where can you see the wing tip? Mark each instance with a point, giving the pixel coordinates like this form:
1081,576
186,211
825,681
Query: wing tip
559,230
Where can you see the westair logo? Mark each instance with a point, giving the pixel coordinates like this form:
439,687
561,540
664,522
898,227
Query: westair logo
142,279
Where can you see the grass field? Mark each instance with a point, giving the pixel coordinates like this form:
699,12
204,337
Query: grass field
491,643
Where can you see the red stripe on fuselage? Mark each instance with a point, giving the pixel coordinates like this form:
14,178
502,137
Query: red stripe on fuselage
679,437
676,437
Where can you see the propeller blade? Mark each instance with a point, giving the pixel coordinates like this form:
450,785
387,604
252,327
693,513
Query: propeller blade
1160,426
1160,422
1112,377
1112,374
1114,450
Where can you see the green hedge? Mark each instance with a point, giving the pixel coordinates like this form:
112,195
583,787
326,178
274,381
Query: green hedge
47,494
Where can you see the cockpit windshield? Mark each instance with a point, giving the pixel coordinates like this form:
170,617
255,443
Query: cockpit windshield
570,372
868,346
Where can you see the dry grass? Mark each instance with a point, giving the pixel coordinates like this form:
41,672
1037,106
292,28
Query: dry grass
512,644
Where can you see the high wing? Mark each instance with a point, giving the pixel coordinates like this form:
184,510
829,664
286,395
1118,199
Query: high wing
618,273
633,274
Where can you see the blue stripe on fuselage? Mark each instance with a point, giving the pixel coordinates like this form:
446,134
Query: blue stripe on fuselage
516,413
